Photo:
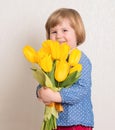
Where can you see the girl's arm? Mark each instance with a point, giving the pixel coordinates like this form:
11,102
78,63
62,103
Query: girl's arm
82,88
47,95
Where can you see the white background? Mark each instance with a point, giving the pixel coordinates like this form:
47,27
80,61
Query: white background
22,22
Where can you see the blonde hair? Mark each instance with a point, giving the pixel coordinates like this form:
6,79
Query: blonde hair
75,22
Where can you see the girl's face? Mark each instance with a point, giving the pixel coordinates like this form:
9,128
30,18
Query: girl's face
63,32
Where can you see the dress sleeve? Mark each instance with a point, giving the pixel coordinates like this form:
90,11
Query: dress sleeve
37,89
82,87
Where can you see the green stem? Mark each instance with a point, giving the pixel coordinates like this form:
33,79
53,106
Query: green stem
58,84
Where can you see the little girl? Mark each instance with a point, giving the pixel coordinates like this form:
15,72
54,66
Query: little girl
65,25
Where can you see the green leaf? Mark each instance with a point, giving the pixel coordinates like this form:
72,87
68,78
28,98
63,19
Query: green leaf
50,116
49,111
49,84
68,80
51,74
54,112
72,78
38,75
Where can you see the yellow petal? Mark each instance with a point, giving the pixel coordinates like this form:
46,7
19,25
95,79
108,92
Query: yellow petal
74,57
61,71
29,53
52,47
55,49
77,68
40,54
64,49
46,46
46,63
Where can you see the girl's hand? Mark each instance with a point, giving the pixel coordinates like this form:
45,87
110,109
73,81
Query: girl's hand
48,96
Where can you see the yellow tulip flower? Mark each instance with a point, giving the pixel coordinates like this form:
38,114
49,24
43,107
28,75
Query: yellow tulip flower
40,54
46,46
29,53
55,49
64,49
77,68
74,57
52,47
61,71
46,63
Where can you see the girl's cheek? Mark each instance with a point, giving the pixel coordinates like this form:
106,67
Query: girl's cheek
51,37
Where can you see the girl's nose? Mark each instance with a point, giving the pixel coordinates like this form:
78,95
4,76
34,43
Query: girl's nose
59,35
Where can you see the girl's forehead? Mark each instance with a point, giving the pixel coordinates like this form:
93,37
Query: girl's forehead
60,22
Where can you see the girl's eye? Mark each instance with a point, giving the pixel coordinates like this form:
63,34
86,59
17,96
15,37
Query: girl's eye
65,30
53,32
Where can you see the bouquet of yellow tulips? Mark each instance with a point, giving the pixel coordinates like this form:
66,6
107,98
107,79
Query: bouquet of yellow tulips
55,66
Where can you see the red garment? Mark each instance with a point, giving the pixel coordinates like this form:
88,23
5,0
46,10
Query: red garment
78,127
